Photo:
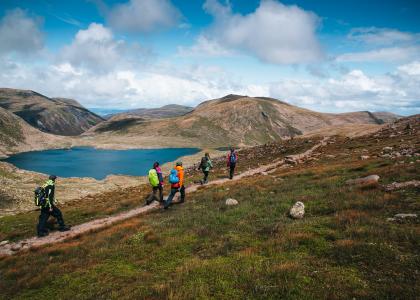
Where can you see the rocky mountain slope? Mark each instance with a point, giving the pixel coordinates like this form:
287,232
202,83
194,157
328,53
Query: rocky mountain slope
53,115
167,111
17,136
233,119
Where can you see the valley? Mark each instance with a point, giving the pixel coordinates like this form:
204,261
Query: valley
348,237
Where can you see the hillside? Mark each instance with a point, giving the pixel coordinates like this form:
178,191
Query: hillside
52,115
233,119
167,111
16,135
348,245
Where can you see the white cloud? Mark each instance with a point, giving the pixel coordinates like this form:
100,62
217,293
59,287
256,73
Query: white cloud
204,47
382,45
412,69
96,48
380,36
274,33
355,90
393,54
143,15
19,33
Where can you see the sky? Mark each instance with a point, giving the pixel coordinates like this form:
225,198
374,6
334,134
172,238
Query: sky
329,56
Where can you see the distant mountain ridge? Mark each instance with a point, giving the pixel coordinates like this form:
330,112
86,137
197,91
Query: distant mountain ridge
59,116
233,120
166,111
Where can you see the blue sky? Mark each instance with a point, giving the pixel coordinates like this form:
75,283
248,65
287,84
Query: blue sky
331,56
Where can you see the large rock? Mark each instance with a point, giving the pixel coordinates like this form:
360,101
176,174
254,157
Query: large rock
297,211
364,181
231,202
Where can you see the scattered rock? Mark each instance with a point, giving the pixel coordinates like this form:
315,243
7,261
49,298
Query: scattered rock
2,243
231,202
365,181
364,157
297,211
290,161
16,247
330,156
264,173
396,185
401,218
387,149
405,216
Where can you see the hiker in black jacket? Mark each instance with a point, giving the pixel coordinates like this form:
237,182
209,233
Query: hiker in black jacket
49,209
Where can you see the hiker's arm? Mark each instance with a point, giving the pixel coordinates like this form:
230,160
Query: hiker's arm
211,164
48,197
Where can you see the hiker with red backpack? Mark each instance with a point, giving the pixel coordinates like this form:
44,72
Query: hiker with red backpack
231,160
156,181
176,179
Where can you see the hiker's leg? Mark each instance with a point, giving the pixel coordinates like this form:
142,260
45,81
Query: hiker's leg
182,191
206,175
151,197
160,193
170,197
43,218
232,170
56,213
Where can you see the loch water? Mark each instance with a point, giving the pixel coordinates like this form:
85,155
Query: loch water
96,163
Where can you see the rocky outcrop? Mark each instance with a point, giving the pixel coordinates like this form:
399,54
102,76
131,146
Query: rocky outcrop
400,185
403,218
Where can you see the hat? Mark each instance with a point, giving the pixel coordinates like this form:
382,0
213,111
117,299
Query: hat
52,177
179,163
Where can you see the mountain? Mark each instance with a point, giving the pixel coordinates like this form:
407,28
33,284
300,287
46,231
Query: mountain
53,115
230,120
167,111
16,135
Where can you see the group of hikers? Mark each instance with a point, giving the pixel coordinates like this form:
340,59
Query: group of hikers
44,196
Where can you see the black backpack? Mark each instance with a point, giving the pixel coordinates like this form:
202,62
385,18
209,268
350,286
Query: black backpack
204,162
40,197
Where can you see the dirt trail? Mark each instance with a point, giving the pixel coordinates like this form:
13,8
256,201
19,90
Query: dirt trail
56,237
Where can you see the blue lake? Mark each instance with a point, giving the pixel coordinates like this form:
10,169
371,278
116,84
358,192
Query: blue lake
96,163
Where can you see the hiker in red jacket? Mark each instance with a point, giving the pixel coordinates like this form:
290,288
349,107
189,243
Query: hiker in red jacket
231,160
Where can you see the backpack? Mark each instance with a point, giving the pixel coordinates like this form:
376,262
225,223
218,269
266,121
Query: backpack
232,158
173,177
39,197
204,162
153,177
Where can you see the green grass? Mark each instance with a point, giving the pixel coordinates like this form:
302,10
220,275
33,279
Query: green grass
343,248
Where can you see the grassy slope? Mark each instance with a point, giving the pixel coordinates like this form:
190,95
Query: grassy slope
343,248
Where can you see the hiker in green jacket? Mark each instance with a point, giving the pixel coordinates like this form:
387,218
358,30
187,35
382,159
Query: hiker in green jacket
49,208
156,181
205,166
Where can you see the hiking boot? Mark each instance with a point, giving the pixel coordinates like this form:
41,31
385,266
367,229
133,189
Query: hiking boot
42,234
64,228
